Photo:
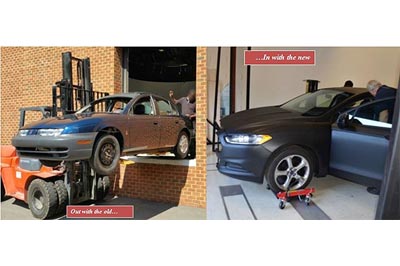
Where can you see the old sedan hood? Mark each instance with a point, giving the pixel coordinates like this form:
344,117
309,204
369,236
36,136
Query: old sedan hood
76,120
259,119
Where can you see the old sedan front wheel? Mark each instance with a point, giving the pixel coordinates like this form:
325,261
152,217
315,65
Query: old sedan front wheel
106,153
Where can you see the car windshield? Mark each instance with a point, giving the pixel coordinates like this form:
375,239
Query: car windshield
107,105
316,103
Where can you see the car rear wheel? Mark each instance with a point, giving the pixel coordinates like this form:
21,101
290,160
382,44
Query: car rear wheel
182,147
290,169
106,153
42,199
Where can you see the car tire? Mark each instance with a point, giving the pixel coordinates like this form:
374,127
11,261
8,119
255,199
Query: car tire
106,153
182,146
290,168
42,199
62,194
3,191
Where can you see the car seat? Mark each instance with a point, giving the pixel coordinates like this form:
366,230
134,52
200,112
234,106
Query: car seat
139,109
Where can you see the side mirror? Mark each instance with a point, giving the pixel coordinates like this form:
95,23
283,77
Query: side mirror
343,121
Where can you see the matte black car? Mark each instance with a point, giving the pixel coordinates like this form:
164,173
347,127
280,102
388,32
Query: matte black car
131,123
286,144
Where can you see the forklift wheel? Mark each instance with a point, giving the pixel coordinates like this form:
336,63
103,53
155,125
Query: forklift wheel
42,199
62,193
3,192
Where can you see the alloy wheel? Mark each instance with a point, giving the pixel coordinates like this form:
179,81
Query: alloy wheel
292,172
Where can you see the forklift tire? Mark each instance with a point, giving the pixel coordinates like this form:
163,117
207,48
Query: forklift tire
62,194
3,192
106,153
42,199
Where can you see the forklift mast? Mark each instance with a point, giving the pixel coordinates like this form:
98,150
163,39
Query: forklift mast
67,96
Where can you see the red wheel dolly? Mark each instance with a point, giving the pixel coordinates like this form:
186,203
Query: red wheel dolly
303,195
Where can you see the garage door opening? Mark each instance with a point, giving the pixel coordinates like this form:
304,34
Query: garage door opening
169,72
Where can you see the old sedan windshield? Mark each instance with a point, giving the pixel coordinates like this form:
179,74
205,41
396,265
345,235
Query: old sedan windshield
316,103
106,105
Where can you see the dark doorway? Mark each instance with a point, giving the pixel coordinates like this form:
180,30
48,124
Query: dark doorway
160,69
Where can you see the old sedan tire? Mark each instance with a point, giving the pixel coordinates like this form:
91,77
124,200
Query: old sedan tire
106,153
182,147
291,168
42,199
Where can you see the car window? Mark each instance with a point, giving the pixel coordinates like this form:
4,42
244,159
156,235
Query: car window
106,105
373,114
142,106
165,108
316,103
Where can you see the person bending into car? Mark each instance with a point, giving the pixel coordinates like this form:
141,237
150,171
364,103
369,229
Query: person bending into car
385,109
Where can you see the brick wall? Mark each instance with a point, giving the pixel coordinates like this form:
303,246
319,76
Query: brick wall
181,185
28,73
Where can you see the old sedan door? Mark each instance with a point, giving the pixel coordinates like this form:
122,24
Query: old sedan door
170,123
144,126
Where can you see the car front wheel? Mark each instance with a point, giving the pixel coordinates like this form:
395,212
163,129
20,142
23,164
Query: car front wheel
290,169
106,153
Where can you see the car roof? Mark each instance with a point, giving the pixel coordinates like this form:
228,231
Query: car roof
357,90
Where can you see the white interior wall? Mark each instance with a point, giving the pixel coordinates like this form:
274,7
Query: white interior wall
271,85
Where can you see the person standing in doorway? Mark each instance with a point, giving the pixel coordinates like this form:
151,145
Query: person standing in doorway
188,103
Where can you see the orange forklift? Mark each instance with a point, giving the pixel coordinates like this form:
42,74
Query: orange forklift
49,189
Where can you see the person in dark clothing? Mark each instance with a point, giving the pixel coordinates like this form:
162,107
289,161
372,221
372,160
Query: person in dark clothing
385,109
348,83
188,103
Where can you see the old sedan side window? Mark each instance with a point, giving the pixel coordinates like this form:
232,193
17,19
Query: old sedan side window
142,107
164,107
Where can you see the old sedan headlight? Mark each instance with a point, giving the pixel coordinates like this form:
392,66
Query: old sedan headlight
247,139
50,132
23,132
